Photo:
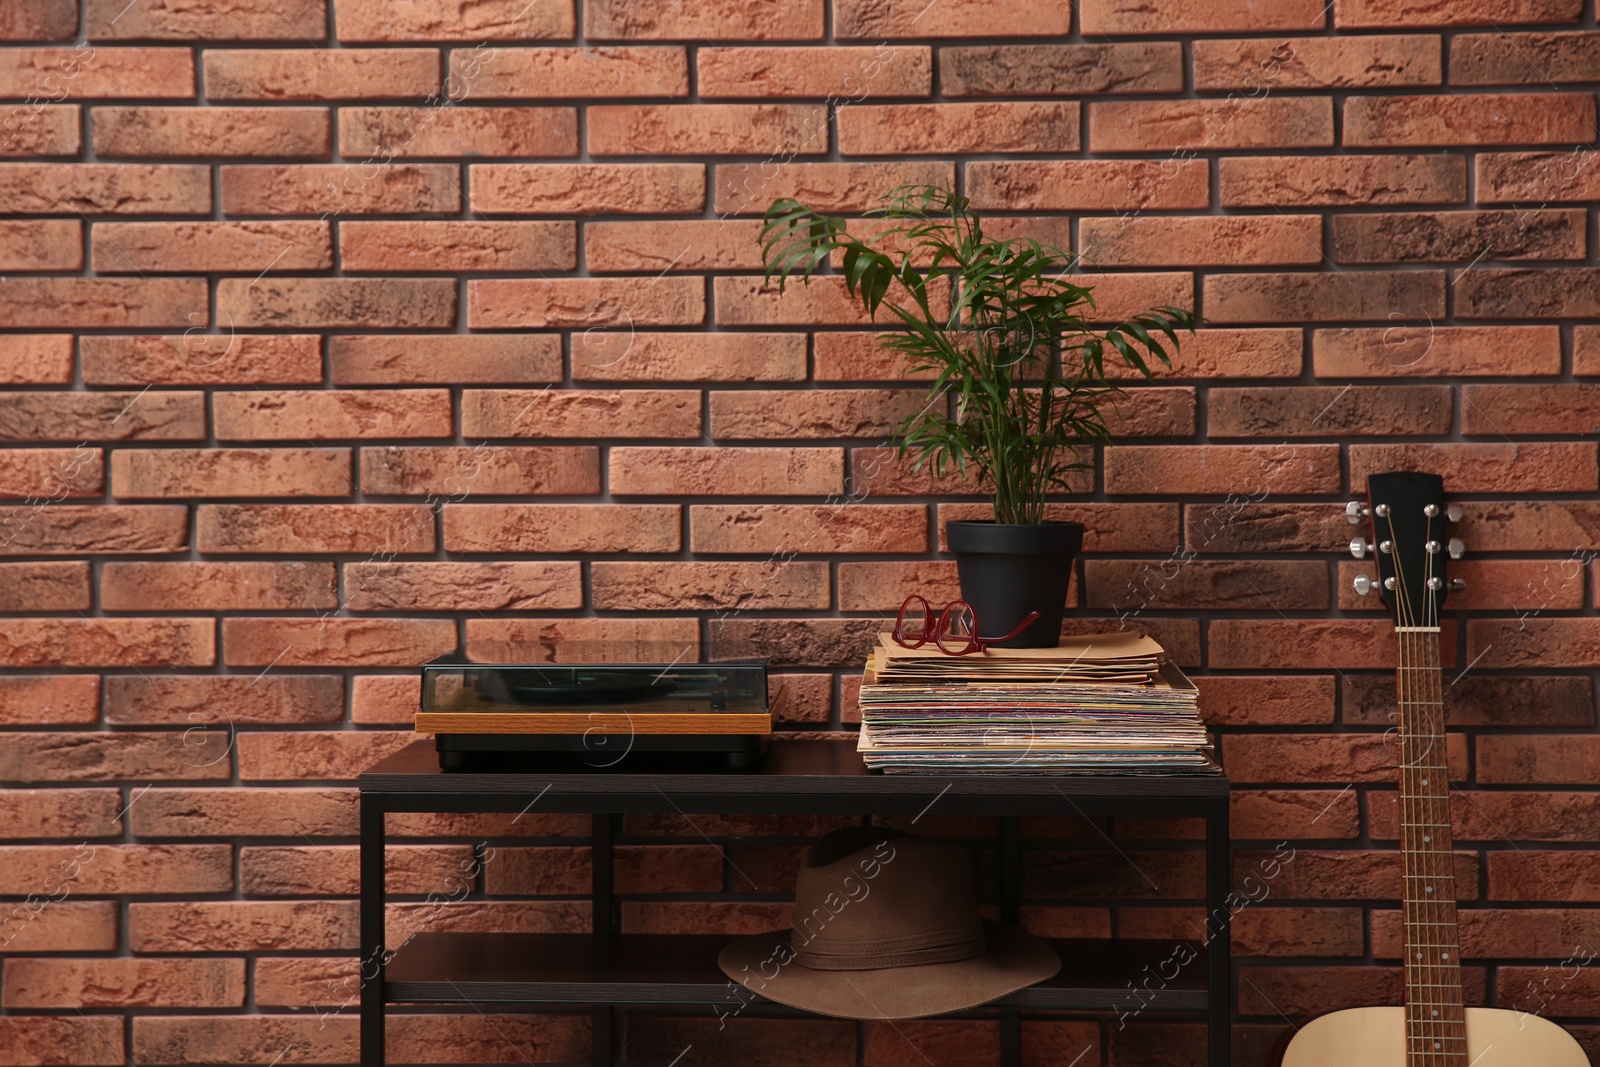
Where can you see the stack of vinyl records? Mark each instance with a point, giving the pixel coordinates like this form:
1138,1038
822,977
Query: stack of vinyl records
1103,703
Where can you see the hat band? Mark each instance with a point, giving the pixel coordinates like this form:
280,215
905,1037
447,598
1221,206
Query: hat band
911,950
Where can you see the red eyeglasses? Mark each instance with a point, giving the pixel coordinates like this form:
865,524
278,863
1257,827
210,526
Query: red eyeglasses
954,630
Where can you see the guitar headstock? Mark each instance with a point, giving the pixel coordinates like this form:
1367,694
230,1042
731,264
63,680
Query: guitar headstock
1407,516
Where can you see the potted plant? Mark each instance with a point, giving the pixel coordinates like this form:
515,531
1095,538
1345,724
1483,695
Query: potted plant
1020,386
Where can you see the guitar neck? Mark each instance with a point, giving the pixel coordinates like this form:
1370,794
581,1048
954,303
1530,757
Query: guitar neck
1435,1020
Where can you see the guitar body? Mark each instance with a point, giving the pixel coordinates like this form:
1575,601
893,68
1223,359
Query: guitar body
1376,1037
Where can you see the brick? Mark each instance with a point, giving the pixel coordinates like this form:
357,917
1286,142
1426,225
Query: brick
455,20
690,357
1222,469
51,474
588,188
1294,814
1318,62
1324,297
801,698
1218,352
258,415
1586,351
1526,585
1504,932
662,246
379,699
1484,118
42,20
1201,241
124,983
340,188
1522,293
458,246
1107,527
539,640
235,359
243,926
751,414
44,699
123,642
1528,409
1478,699
1065,69
1304,989
1538,177
848,73
882,585
347,303
74,813
144,416
1318,181
1539,876
1149,411
500,304
744,300
805,528
561,527
402,132
256,812
709,586
854,356
1485,468
185,472
338,74
1268,644
1532,525
1485,815
1549,759
334,642
961,18
721,20
933,129
826,1042
44,587
1088,184
376,586
333,870
299,21
188,247
1459,235
102,302
99,73
227,132
42,130
1386,13
639,869
1534,642
45,1039
708,129
133,699
567,73
880,471
1174,16
1142,126
41,244
726,471
1316,758
314,528
750,188
126,870
446,359
73,530
216,586
195,754
629,413
36,359
796,643
457,472
1435,351
1523,58
1128,585
69,926
1351,410
1341,875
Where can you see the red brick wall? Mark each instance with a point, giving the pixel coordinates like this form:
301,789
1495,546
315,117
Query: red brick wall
334,336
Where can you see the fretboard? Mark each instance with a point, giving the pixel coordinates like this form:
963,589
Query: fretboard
1436,1033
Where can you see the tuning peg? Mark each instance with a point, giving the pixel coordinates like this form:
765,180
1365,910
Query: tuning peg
1457,548
1458,584
1358,547
1355,511
1362,585
1453,512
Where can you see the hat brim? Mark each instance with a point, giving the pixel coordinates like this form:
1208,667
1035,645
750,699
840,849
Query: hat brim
1011,960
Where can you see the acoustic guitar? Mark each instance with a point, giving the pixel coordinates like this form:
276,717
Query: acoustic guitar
1433,1029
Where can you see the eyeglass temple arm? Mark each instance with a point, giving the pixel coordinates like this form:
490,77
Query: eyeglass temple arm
1031,618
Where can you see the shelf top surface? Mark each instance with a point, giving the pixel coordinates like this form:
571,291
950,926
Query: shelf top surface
829,767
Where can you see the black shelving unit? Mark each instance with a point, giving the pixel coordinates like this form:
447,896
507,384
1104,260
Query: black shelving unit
606,969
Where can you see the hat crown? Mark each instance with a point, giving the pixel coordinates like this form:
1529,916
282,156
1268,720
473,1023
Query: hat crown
890,900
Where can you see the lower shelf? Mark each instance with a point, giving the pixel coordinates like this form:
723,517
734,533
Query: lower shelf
682,969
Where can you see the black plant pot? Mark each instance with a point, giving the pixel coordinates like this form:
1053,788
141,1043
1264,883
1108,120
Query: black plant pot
1010,569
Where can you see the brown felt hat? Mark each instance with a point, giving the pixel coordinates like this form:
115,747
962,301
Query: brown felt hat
886,926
